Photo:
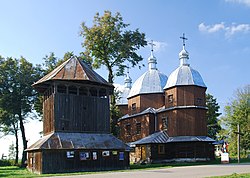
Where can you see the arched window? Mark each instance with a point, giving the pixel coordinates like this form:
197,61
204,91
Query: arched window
93,92
103,93
83,91
73,90
61,89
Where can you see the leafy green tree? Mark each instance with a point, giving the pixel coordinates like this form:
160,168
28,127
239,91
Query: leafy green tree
16,93
213,114
237,112
12,152
9,126
109,43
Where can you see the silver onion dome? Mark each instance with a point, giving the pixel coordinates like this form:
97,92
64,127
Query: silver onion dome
184,74
124,91
152,81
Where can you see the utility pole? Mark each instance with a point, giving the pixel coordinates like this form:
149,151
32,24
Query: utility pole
238,149
238,141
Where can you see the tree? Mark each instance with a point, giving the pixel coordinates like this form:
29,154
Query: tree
237,112
9,126
16,93
212,116
109,43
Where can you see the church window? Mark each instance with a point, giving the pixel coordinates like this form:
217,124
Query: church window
133,106
138,128
161,149
164,123
199,101
170,98
128,129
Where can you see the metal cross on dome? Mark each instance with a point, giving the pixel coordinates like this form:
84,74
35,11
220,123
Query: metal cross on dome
152,45
183,39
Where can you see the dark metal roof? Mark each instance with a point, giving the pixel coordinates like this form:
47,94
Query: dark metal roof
66,140
149,110
162,109
73,69
162,137
190,139
158,137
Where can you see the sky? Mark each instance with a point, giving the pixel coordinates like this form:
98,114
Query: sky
218,33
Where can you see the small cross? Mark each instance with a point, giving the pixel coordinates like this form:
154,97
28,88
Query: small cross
152,45
183,39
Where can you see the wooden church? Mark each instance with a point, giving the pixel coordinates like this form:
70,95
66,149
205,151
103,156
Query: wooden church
166,117
76,123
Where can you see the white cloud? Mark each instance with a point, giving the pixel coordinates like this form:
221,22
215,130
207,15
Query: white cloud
244,2
211,29
158,46
228,30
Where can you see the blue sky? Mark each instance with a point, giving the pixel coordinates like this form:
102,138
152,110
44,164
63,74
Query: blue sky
218,33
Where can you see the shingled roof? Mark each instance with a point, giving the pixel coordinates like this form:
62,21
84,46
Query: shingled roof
73,69
61,140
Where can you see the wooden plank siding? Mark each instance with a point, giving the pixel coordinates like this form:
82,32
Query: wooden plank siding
81,113
56,161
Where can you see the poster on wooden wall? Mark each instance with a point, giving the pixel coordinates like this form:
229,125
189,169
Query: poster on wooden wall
70,154
84,156
105,153
94,155
121,156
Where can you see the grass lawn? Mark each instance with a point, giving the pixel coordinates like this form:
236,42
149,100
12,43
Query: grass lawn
14,171
234,176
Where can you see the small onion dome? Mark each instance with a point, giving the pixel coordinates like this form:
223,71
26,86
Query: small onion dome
123,94
151,81
184,74
124,91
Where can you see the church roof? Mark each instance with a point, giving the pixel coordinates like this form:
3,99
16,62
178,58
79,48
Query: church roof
152,81
72,69
184,74
66,140
162,137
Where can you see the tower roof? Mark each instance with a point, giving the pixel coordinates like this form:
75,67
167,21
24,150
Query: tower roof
152,81
74,70
184,74
124,90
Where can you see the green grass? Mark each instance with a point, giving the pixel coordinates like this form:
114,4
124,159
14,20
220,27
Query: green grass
247,175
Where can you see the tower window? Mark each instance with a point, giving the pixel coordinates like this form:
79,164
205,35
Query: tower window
83,91
61,89
164,123
170,98
199,101
128,129
138,128
133,106
72,90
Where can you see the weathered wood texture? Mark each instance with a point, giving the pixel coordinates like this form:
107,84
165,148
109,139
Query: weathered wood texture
56,161
76,113
147,123
144,101
185,96
183,150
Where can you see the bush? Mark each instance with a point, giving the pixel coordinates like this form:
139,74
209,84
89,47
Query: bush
4,162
